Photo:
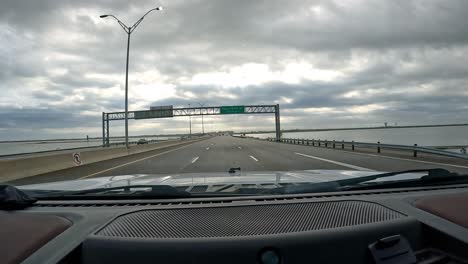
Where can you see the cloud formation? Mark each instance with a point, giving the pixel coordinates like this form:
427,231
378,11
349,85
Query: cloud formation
327,63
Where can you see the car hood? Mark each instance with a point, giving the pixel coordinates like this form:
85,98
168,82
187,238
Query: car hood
214,179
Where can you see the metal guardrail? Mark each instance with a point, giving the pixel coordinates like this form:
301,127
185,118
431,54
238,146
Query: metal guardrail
133,143
77,148
47,151
341,144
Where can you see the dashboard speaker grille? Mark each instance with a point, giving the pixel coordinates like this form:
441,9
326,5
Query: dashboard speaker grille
246,220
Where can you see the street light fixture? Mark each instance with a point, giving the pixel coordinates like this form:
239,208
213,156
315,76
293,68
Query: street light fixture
129,31
201,112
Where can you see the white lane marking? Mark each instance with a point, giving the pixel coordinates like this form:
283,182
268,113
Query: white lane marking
252,157
131,162
239,147
421,161
335,162
195,159
208,148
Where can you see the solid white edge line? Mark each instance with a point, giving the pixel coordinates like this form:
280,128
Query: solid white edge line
195,159
252,157
131,162
396,158
335,162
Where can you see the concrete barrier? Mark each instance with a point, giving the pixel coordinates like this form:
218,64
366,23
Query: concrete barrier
13,169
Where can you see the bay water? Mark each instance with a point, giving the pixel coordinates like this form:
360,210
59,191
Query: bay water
423,136
9,148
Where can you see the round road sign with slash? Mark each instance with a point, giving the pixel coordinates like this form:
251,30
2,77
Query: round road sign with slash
77,159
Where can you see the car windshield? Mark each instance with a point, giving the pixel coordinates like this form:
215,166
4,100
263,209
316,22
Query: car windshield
250,97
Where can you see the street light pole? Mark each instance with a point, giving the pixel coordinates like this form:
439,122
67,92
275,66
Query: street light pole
126,90
129,31
190,123
201,112
202,125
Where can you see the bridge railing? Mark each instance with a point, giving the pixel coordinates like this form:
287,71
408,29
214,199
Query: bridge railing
378,146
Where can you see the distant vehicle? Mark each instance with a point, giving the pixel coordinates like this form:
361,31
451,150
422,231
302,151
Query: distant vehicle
142,141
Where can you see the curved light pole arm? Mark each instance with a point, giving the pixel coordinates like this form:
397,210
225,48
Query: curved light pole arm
141,19
125,28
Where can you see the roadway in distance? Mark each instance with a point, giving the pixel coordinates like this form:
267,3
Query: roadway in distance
218,154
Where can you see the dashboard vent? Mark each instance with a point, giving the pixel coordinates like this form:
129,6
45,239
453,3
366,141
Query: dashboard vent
116,203
358,193
246,220
227,200
199,189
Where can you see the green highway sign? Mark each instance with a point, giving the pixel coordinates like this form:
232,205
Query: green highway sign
161,113
236,109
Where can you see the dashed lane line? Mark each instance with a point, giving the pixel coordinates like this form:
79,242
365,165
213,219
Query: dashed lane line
252,157
195,159
135,161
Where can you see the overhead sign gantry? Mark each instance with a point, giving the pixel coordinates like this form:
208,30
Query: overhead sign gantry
169,112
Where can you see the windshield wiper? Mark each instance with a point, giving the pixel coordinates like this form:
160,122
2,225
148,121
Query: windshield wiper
155,192
433,175
428,180
12,198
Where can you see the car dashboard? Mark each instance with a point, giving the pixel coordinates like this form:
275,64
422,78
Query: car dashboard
406,225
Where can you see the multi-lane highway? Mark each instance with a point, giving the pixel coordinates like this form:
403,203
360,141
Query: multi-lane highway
218,154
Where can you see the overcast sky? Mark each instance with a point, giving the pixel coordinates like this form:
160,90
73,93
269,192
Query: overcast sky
327,63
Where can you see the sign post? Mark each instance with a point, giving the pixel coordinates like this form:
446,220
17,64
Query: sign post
169,111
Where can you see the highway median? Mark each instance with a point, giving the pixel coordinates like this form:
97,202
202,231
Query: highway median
14,169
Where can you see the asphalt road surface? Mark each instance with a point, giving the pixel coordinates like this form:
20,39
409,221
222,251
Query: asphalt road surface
218,154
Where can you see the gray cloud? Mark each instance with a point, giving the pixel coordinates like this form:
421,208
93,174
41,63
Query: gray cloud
406,57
